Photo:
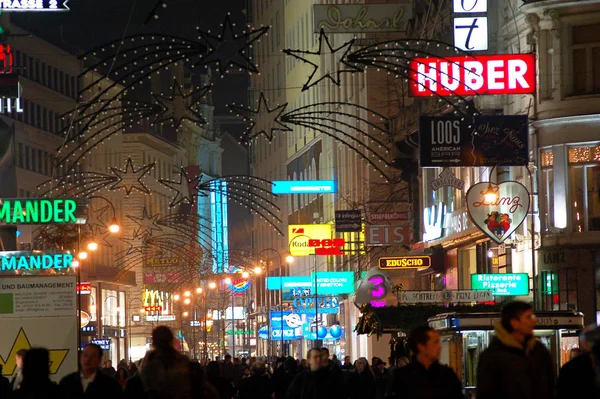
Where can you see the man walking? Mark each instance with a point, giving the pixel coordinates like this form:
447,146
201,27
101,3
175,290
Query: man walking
316,382
516,364
425,377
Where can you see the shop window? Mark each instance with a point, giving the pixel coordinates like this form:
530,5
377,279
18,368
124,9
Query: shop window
547,189
586,58
559,289
584,185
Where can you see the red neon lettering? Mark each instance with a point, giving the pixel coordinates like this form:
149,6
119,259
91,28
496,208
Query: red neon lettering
468,75
6,59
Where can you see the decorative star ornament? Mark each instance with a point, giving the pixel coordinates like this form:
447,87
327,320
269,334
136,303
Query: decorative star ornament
182,187
230,49
322,70
262,119
147,223
131,178
174,109
137,243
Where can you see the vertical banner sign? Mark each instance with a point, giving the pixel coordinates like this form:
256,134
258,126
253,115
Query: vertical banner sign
501,217
348,221
446,141
470,25
469,75
39,312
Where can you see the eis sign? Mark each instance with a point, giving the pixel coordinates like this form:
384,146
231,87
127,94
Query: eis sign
500,217
469,75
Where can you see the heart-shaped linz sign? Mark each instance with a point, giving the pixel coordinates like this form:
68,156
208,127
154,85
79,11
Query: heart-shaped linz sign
501,217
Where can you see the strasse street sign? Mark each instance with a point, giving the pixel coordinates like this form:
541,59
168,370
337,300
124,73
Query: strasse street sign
445,296
348,221
489,140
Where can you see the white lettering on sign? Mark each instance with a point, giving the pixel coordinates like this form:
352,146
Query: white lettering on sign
462,76
457,222
469,6
471,34
386,235
433,221
445,296
8,105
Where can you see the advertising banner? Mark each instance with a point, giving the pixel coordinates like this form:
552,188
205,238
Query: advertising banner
329,283
304,187
300,326
446,141
386,235
470,75
300,234
348,221
502,284
39,312
361,18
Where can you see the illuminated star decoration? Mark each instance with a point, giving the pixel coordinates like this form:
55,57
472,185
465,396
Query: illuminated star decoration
136,244
230,49
147,223
265,119
182,187
170,111
331,71
131,178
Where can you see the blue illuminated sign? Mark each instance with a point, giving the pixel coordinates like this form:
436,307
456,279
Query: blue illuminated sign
329,283
35,260
300,326
304,187
219,229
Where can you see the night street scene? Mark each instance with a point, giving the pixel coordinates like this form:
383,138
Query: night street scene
299,199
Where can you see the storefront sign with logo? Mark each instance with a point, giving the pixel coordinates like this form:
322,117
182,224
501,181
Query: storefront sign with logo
304,187
37,211
325,305
457,222
375,217
405,262
84,318
168,317
348,221
374,287
488,140
470,33
501,217
103,343
361,18
328,247
469,75
300,234
155,278
238,283
329,283
433,222
383,235
444,296
84,288
446,179
504,284
34,5
35,260
153,298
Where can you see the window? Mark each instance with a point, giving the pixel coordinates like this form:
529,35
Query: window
44,68
55,80
51,120
586,58
32,115
46,164
20,154
61,82
38,116
51,79
29,71
37,71
559,289
73,87
584,187
67,85
547,161
27,158
40,167
44,119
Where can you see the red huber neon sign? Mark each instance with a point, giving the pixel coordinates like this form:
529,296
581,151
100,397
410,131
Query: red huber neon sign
328,247
469,75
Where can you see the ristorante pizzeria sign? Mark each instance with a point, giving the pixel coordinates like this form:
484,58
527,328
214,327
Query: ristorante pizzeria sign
38,211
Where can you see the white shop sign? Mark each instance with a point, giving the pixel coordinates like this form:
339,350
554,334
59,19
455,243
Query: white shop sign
445,296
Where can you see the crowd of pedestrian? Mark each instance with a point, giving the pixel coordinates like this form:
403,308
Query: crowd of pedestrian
515,365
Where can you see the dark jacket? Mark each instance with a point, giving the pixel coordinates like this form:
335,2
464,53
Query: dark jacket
361,385
166,374
416,382
103,387
41,390
576,379
507,369
256,387
5,388
320,384
134,388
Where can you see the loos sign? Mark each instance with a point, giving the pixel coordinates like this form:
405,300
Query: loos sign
302,235
469,75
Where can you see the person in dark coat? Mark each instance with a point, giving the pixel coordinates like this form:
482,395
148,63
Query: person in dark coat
361,381
285,378
4,385
258,385
516,364
91,383
224,388
36,382
382,380
425,377
317,382
577,377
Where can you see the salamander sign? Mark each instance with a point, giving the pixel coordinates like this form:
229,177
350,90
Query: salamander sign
38,211
32,260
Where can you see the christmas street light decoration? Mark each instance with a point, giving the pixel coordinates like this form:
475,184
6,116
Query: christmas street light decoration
160,4
146,223
169,109
263,119
131,178
335,69
182,188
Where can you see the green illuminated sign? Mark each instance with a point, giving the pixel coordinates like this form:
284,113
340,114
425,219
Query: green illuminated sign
240,332
502,284
36,260
37,211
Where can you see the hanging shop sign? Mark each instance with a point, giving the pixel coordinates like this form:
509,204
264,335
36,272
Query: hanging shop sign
84,288
304,187
103,343
38,211
348,221
470,32
84,318
325,305
488,140
34,5
328,246
292,326
300,234
375,217
444,296
469,75
446,179
167,317
35,260
405,262
239,284
433,222
502,216
386,235
373,288
504,284
153,299
328,283
362,18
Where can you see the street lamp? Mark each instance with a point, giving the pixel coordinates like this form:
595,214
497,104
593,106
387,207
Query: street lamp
92,246
114,226
212,285
82,255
